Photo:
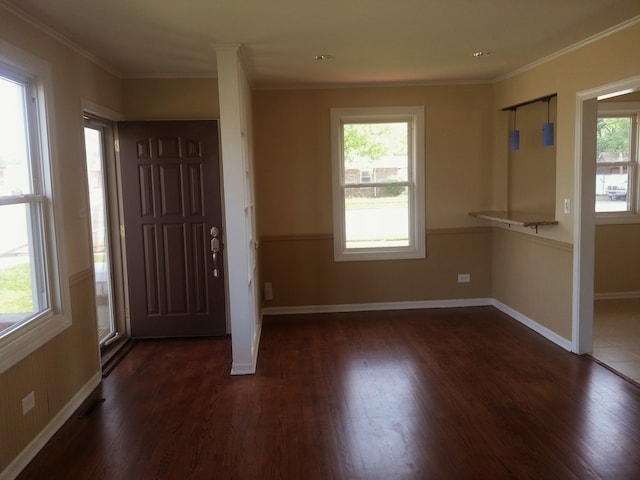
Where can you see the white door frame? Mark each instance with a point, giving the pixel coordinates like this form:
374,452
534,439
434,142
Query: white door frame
584,214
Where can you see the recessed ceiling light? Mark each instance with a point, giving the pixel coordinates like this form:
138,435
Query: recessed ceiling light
480,53
322,57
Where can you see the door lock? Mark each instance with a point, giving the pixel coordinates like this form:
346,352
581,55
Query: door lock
215,248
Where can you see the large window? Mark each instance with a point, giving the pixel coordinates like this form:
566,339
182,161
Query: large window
617,160
378,183
32,296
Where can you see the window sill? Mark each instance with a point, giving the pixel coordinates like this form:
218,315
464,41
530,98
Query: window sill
617,218
17,345
362,255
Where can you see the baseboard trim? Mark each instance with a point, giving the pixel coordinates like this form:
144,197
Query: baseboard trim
535,326
30,451
243,368
616,295
368,307
249,368
469,302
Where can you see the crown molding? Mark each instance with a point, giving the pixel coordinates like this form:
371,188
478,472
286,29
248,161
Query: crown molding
103,64
576,46
38,25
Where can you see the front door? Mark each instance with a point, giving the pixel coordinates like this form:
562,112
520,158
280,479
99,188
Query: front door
172,211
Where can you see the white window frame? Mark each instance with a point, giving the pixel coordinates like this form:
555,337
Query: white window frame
624,109
414,115
19,342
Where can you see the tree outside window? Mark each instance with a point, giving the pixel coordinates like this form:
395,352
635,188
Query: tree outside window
378,185
615,163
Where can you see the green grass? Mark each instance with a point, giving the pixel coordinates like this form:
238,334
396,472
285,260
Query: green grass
15,293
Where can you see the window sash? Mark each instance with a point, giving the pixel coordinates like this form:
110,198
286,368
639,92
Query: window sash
54,313
632,203
31,222
414,183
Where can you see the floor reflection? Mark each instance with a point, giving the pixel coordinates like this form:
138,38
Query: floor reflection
605,424
381,416
616,335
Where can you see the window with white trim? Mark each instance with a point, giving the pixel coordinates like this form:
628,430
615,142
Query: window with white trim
32,294
378,183
617,161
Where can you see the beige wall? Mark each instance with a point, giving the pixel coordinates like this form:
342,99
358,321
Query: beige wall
531,183
303,273
595,64
171,99
57,371
617,266
528,273
293,153
293,172
293,194
598,63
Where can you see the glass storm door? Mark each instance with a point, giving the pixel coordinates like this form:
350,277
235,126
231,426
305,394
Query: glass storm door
94,134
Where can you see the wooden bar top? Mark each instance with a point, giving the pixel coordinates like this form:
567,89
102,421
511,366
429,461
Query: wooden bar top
524,219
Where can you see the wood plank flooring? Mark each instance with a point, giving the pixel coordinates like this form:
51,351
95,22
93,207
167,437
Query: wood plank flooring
462,393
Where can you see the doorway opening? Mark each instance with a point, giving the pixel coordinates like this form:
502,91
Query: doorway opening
616,320
601,301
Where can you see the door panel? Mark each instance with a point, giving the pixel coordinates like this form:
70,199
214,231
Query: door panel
171,194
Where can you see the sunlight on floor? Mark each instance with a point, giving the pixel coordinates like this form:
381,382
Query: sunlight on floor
616,335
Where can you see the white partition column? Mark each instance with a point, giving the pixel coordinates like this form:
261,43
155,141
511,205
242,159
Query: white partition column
239,233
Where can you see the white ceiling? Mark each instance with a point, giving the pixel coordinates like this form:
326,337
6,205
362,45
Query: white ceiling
372,41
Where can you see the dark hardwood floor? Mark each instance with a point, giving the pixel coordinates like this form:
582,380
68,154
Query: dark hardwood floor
462,393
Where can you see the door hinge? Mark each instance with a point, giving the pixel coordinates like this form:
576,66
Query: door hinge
122,231
116,146
127,317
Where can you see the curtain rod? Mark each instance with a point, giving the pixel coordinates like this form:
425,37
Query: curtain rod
546,98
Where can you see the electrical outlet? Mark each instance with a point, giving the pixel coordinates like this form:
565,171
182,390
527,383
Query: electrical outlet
268,291
567,206
464,277
28,403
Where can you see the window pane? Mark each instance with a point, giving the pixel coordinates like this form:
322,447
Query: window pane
21,295
614,139
611,189
377,217
376,152
14,150
612,176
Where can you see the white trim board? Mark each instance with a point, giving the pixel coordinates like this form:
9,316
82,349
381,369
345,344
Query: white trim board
535,326
369,307
427,304
238,368
30,451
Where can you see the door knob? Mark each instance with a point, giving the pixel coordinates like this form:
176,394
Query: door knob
215,248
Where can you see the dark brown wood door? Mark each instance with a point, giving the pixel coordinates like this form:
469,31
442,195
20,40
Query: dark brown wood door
171,194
